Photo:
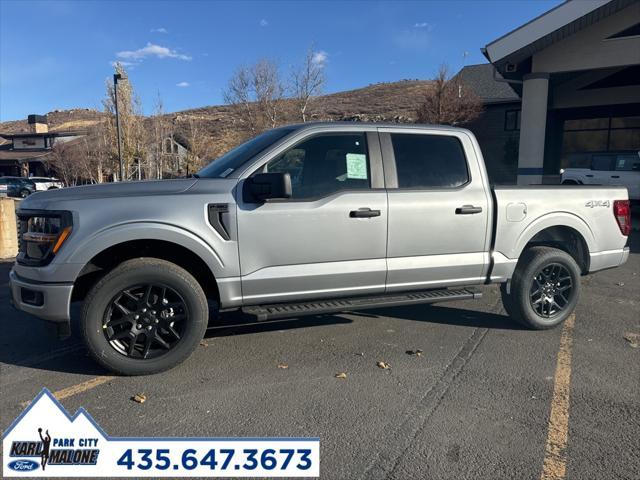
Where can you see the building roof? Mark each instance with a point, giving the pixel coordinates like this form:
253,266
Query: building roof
480,79
550,27
7,153
65,133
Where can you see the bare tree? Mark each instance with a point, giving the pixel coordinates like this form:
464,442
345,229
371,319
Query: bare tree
159,132
64,160
200,148
307,81
256,94
134,139
449,101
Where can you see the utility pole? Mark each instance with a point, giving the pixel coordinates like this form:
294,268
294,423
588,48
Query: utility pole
116,77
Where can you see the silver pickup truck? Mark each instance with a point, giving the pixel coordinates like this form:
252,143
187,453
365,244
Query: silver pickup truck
306,220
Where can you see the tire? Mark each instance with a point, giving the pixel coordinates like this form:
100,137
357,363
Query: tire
24,193
542,273
107,330
570,182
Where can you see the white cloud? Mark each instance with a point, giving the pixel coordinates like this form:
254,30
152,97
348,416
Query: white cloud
320,58
422,25
152,50
264,22
183,84
159,30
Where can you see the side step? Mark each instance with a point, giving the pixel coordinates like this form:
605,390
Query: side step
287,310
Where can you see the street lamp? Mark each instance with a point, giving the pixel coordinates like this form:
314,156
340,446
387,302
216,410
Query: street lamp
116,77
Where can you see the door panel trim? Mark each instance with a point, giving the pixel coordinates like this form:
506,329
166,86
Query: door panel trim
433,271
325,280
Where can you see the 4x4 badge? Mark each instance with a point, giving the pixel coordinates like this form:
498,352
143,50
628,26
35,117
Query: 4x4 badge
597,203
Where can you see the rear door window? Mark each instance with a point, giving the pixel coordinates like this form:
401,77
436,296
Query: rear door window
601,162
429,161
628,163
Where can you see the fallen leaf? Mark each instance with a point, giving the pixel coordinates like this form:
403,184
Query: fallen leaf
203,344
341,375
417,352
139,398
633,339
383,365
283,366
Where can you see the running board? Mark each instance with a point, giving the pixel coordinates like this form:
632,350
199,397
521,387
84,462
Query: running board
287,310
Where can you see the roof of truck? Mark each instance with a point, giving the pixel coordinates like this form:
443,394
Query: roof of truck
339,125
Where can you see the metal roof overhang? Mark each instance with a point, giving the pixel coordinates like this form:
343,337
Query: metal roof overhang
549,28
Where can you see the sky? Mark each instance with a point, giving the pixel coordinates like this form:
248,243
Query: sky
58,54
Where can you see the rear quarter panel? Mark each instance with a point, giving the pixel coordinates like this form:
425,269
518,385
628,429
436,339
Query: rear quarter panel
586,209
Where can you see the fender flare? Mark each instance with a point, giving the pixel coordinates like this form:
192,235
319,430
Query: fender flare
122,233
553,219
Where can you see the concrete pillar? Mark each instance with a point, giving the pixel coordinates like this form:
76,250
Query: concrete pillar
8,228
533,122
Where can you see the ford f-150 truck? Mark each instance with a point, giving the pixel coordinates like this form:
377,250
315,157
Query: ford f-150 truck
305,220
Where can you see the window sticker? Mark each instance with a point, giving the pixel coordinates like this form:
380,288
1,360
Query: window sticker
356,166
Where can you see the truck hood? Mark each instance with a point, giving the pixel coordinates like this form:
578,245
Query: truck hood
107,190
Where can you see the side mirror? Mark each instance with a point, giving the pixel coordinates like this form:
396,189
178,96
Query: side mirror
264,186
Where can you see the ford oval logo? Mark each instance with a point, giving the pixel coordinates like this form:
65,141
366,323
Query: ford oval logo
23,465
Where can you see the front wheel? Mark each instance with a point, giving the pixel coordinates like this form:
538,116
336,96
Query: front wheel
145,316
24,193
544,289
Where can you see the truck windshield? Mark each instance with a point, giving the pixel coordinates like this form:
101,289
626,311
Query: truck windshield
225,165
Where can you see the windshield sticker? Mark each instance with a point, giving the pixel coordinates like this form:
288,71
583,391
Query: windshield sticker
356,166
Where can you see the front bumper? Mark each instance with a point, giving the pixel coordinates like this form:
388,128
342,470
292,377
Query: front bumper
49,301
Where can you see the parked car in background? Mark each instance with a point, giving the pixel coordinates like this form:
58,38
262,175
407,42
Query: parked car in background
46,183
611,168
18,186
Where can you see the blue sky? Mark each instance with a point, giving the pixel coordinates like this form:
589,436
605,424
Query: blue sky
58,54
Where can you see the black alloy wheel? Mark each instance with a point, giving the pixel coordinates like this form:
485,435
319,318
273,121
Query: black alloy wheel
145,321
551,290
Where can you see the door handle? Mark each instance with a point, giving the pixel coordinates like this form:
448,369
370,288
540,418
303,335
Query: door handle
468,210
364,213
615,176
590,176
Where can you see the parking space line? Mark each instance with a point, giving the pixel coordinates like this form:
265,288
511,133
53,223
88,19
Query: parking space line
76,389
555,460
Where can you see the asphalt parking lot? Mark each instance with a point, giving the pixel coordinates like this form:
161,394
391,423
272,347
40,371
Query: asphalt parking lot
477,403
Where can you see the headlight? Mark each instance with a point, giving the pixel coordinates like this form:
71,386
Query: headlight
42,234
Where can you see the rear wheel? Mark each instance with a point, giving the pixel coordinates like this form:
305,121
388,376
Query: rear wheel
24,193
544,289
145,316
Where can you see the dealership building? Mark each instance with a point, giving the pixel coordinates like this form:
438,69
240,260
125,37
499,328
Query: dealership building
560,89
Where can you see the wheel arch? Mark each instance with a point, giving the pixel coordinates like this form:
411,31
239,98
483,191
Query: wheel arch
107,259
106,249
571,238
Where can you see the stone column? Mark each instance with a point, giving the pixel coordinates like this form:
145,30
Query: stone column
8,228
533,122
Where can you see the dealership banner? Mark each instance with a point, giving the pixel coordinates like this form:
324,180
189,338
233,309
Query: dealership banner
45,441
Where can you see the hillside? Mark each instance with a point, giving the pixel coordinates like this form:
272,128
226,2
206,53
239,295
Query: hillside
395,101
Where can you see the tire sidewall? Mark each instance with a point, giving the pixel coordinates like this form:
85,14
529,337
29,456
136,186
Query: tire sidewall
522,286
103,293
